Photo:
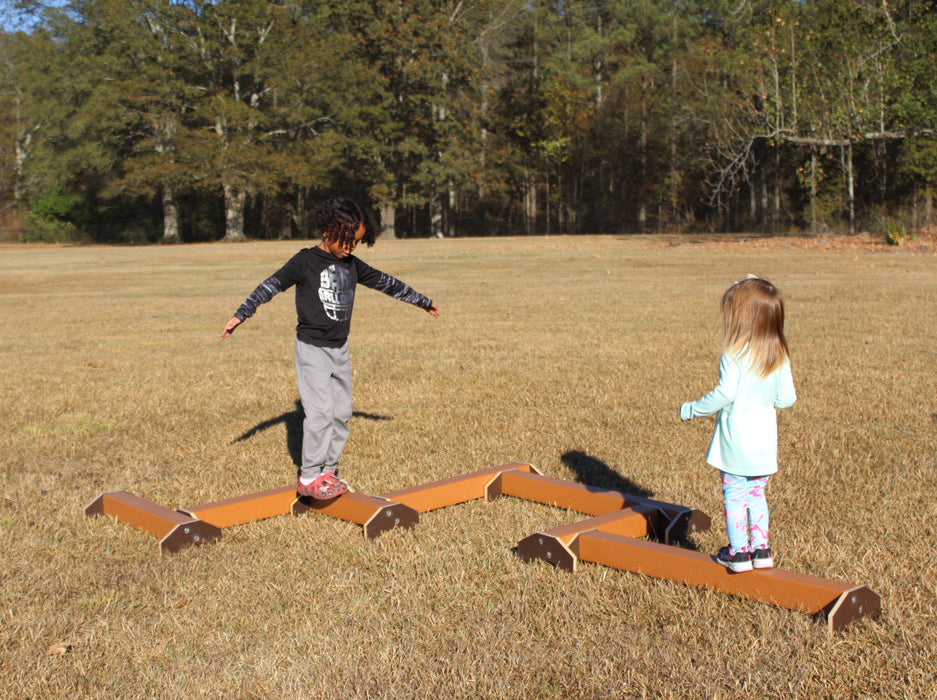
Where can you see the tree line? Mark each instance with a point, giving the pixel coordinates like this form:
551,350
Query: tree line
196,120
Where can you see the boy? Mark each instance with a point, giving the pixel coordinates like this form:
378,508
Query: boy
325,277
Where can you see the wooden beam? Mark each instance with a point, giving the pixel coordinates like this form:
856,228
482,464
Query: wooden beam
454,490
553,545
595,501
247,508
175,530
837,602
374,514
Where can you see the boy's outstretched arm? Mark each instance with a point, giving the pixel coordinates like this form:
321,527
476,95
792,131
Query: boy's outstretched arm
265,291
229,327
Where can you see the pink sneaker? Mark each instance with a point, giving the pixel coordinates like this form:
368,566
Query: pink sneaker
323,488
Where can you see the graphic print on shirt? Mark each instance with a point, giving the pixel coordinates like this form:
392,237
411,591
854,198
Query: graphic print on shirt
336,292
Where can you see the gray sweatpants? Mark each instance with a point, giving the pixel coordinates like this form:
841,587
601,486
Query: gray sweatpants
323,376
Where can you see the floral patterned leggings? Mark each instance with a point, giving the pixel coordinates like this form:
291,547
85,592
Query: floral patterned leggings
746,511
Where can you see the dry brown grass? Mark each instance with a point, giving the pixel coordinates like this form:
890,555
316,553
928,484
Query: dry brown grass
569,353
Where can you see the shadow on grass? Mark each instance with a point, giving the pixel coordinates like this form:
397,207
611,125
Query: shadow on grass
294,429
594,472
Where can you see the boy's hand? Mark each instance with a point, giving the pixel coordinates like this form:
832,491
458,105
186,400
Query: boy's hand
229,327
432,310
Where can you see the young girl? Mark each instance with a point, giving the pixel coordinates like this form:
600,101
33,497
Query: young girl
325,278
754,380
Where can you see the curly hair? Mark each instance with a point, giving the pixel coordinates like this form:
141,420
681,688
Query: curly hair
338,219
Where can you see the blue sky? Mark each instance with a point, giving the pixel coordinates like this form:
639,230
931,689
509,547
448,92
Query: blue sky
12,19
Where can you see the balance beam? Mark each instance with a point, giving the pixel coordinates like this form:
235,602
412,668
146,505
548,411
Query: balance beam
837,602
175,530
245,509
376,515
553,545
454,490
591,500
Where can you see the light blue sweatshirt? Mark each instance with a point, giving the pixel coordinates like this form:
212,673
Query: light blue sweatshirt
745,439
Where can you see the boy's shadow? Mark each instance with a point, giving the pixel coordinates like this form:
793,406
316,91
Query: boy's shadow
594,472
294,429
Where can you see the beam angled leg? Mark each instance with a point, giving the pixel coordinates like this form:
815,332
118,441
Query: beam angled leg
175,530
549,548
852,604
838,602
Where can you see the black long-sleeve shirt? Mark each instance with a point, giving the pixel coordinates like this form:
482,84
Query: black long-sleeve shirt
325,293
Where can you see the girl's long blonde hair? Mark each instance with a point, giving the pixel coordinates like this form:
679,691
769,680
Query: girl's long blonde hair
753,324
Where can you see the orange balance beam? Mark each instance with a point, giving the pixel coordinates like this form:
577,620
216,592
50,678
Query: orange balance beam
553,545
175,530
839,603
595,501
375,514
454,490
246,509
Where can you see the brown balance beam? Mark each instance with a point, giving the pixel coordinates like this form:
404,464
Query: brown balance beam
837,602
376,515
553,545
175,530
611,538
608,538
454,490
676,521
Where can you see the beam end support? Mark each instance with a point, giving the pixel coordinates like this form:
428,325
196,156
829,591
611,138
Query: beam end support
549,548
851,605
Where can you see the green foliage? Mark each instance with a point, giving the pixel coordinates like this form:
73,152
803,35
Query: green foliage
919,159
891,229
39,230
895,233
56,218
571,116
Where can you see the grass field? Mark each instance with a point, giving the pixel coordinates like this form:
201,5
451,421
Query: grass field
573,354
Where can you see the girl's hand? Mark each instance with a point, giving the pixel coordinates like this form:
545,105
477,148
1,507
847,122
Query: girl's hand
686,412
229,327
432,310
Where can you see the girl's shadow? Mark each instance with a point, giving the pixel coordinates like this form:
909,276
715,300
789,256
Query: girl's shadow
294,429
594,472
